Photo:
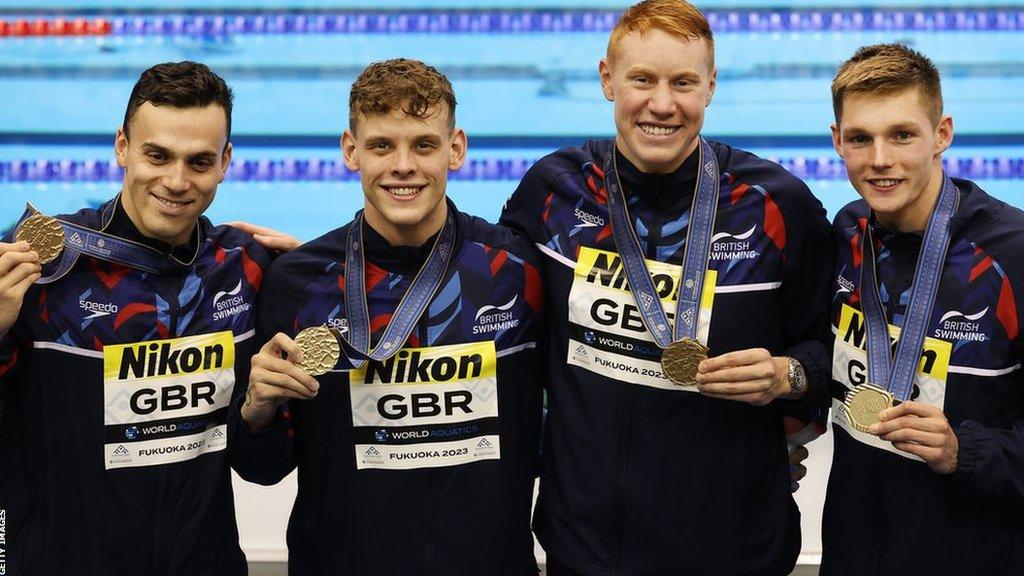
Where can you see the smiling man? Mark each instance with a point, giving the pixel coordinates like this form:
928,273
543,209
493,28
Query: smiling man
417,450
118,359
927,476
687,283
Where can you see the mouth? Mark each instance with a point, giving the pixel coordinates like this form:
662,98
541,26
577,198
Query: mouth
173,205
656,129
404,191
884,184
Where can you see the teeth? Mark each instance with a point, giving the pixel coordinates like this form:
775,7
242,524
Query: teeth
885,183
656,130
169,203
403,191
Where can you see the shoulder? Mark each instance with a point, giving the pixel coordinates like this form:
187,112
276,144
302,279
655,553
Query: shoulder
479,231
990,223
229,238
570,161
753,170
308,260
853,215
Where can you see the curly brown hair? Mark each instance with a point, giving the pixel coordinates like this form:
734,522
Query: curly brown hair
400,84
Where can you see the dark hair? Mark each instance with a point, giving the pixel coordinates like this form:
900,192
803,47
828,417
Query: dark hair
886,69
400,84
182,85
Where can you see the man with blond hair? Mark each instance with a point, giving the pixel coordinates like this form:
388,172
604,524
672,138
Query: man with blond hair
417,450
688,284
928,473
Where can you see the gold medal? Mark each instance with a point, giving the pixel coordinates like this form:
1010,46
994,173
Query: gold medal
319,350
44,234
680,360
864,403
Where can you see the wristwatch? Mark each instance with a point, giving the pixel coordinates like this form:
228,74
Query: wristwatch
797,378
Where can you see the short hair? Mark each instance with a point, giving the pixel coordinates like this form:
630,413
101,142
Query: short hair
400,84
184,84
886,69
677,17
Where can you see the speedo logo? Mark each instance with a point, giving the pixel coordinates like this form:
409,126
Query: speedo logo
955,325
728,246
97,309
172,357
494,318
845,285
436,364
587,220
228,303
339,324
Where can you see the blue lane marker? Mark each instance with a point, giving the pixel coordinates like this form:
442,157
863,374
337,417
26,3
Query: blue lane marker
487,169
224,24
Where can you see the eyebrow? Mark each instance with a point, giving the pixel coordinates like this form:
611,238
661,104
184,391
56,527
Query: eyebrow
205,154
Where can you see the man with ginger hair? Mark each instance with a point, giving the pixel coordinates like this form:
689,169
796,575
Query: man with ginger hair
648,468
417,451
931,480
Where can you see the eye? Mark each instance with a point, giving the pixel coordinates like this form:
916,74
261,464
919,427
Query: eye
156,157
904,135
425,146
201,165
859,139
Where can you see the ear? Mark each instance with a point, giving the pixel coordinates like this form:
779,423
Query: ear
712,83
604,70
460,144
836,139
943,134
348,150
121,148
225,160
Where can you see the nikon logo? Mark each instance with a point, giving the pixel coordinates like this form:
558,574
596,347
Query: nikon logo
606,269
407,367
161,359
431,365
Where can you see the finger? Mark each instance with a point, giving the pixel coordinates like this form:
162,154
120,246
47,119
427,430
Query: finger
926,453
760,386
798,455
20,246
745,373
915,436
13,259
18,275
914,422
797,472
735,358
282,243
910,408
19,289
265,392
269,382
281,342
248,227
288,371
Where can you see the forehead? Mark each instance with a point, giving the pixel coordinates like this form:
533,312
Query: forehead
866,109
169,126
396,123
657,49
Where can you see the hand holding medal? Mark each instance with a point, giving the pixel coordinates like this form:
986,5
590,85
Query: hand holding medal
44,234
277,376
19,269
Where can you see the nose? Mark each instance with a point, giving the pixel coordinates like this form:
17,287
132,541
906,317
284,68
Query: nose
404,165
660,102
176,179
881,155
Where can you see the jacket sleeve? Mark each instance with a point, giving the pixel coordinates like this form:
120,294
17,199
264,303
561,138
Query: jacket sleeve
991,460
806,292
268,455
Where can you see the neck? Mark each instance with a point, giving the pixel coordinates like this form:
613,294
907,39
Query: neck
646,168
133,217
414,235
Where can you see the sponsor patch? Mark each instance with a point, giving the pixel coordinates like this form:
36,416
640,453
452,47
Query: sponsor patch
166,400
607,335
427,408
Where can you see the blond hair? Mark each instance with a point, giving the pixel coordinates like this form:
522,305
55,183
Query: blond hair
886,69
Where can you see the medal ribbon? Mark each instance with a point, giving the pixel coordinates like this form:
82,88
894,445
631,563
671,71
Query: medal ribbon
410,308
897,375
695,258
79,240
